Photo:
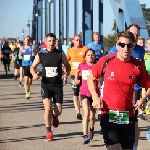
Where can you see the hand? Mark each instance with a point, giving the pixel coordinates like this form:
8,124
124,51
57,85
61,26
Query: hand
96,101
138,105
76,81
36,76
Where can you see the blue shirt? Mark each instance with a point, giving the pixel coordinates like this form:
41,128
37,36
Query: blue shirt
138,53
97,48
27,56
65,48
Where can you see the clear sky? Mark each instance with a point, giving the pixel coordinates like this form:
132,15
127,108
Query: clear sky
14,15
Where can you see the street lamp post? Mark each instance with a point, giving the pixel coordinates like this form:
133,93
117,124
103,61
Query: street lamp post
28,25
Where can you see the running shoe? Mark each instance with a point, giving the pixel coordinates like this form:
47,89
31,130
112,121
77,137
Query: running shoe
141,117
86,140
79,116
55,121
27,96
20,84
91,135
49,136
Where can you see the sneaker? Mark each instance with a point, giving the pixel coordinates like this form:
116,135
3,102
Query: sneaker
20,84
91,135
27,96
55,121
49,136
15,77
79,116
86,140
141,117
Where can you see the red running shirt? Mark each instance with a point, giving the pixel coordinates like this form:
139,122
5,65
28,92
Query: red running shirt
119,79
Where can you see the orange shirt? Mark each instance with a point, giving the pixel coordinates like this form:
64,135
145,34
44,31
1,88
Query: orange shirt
76,57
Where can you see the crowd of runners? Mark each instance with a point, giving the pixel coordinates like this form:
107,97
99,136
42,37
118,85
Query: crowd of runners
117,85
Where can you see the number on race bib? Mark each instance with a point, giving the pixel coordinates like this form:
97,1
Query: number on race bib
27,57
51,71
85,74
75,65
119,117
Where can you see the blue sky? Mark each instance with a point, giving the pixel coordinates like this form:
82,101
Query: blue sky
14,15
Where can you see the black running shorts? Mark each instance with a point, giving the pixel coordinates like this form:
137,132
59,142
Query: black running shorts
118,133
89,98
26,70
52,91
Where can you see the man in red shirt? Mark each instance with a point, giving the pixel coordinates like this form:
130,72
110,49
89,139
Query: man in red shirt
121,71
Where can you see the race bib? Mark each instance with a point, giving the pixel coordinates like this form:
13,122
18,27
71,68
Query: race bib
119,117
85,74
20,57
75,65
27,57
6,51
51,71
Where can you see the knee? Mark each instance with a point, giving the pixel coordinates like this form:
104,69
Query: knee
47,110
86,115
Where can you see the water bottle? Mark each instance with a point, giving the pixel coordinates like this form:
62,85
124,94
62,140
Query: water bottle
148,135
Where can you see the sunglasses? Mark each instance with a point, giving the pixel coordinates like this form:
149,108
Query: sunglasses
129,45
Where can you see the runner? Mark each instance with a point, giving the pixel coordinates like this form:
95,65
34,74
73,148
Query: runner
118,127
20,44
26,52
51,84
65,47
15,58
5,56
85,95
75,56
138,53
97,46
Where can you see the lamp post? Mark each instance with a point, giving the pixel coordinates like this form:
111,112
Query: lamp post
28,25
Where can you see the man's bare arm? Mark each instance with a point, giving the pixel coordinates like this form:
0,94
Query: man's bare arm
36,62
66,63
91,84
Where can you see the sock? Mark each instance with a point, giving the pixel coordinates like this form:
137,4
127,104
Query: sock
48,129
134,148
92,129
54,115
141,112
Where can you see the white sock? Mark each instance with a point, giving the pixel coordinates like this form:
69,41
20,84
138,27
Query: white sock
134,148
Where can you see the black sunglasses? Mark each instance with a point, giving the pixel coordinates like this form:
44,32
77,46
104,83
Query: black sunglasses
129,45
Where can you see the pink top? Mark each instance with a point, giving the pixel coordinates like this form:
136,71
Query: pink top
84,69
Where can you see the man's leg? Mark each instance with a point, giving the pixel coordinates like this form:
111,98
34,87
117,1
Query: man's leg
58,100
110,133
76,98
46,95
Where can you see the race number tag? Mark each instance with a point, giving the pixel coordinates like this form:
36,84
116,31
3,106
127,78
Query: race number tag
20,57
6,51
27,57
119,117
85,74
51,71
75,65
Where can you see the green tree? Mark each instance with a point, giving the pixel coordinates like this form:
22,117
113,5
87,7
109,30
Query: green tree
114,28
146,14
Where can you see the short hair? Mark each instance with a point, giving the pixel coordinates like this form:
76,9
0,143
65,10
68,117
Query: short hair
51,35
96,33
20,42
126,34
147,39
133,25
141,38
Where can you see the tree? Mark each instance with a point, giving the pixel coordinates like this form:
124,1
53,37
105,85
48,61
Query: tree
146,14
114,28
